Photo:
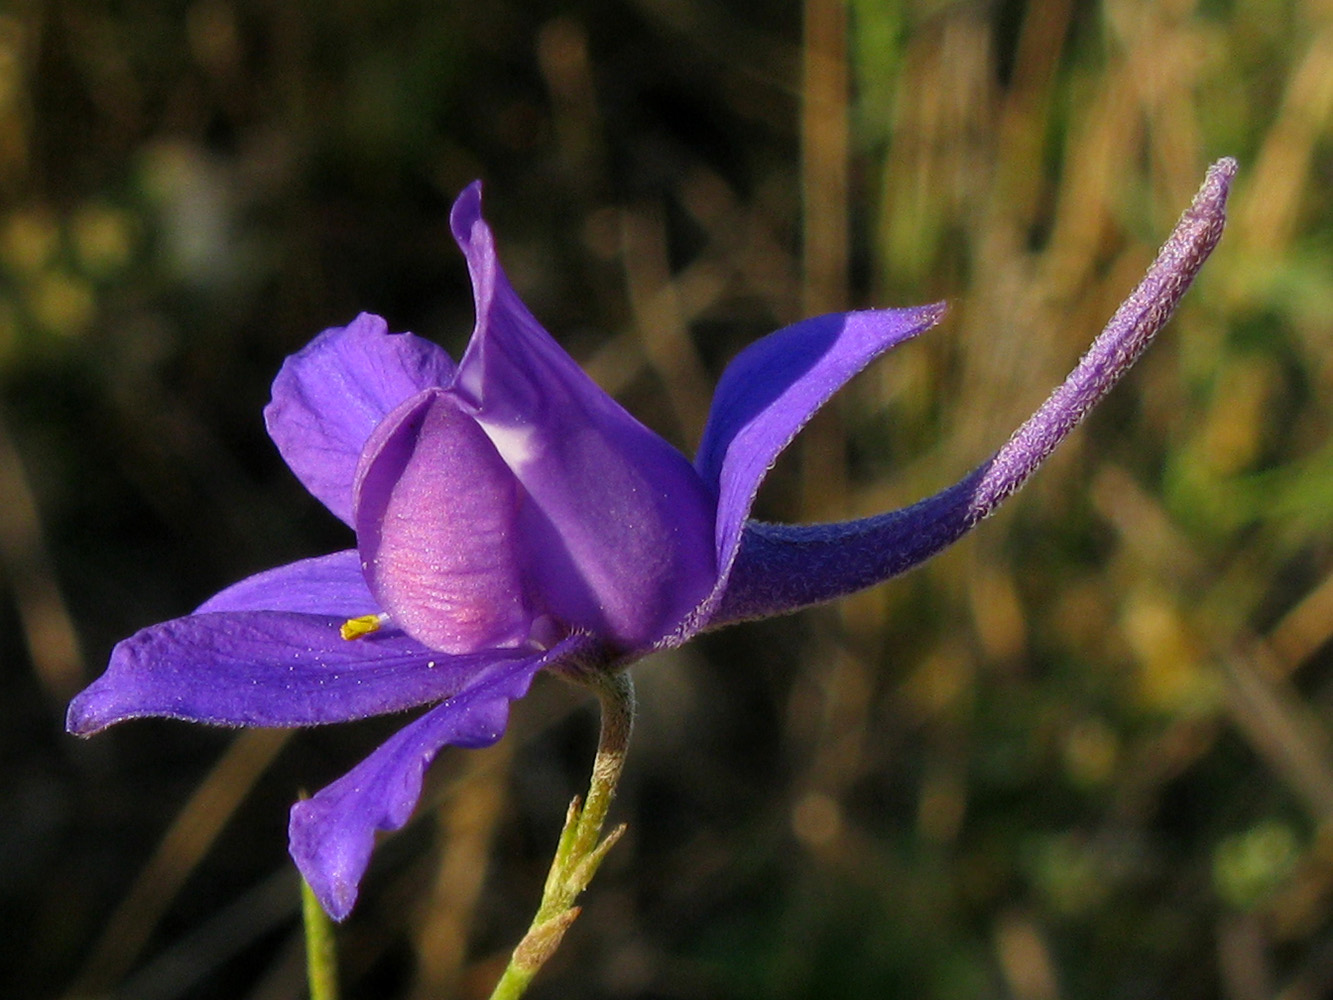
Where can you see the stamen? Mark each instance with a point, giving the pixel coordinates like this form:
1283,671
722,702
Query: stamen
357,628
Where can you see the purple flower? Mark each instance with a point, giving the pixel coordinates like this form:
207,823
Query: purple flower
511,517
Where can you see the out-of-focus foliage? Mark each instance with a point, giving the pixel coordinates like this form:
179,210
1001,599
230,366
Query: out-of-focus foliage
1084,754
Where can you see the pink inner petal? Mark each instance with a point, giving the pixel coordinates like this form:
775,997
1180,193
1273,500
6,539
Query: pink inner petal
435,518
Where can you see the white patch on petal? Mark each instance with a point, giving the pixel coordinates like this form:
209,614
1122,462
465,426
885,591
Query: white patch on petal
516,445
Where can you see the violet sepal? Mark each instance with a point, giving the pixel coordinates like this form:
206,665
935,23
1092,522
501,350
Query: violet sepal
766,395
332,393
618,528
332,833
271,668
324,585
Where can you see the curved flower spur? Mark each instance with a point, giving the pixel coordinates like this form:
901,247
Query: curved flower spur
511,517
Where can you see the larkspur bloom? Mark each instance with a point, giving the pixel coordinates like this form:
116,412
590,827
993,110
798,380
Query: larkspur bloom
511,517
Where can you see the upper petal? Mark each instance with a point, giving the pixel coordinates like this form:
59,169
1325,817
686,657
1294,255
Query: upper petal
436,512
619,528
332,393
770,391
324,585
267,668
332,833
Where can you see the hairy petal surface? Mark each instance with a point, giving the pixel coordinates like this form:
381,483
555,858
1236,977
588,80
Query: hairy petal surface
332,834
435,522
770,391
325,585
619,529
784,567
268,668
332,393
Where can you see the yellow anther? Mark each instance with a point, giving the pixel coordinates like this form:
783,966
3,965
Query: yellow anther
356,628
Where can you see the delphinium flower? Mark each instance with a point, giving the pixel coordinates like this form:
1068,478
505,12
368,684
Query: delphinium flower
510,517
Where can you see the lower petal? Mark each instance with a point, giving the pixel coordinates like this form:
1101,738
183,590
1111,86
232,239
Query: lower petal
332,834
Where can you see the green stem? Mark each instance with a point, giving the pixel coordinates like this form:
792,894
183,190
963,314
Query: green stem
320,955
582,846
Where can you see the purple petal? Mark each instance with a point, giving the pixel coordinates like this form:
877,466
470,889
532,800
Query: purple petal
268,668
771,390
326,585
620,526
332,393
784,567
332,834
435,521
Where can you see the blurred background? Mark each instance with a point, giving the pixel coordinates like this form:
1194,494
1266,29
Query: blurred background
1085,753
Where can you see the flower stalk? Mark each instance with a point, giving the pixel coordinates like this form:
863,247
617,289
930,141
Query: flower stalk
581,848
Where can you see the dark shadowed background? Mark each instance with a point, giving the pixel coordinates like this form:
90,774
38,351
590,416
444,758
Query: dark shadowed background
1084,754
